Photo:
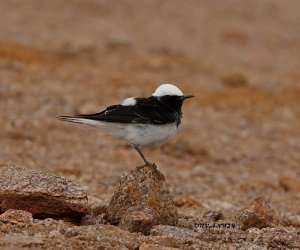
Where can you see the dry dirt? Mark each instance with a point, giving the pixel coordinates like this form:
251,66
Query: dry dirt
240,135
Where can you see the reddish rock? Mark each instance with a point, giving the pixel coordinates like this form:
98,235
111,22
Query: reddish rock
139,219
259,215
248,219
142,200
146,246
213,215
93,220
218,205
244,246
40,194
187,201
291,220
174,232
180,237
16,217
263,208
277,238
97,206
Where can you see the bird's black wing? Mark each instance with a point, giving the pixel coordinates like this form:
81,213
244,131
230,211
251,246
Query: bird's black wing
143,113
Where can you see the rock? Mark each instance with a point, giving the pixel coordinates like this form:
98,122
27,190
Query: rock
16,217
244,246
187,201
141,201
40,194
187,221
53,234
213,215
290,184
100,237
145,246
264,209
96,206
218,205
248,219
139,219
259,215
291,220
180,237
221,234
277,238
93,220
18,241
174,232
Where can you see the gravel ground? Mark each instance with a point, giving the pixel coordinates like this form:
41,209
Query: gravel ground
240,136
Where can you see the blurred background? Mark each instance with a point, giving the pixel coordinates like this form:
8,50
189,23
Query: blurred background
240,136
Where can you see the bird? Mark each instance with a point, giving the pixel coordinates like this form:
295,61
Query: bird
140,121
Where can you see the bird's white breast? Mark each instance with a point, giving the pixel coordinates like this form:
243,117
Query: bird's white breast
139,134
147,134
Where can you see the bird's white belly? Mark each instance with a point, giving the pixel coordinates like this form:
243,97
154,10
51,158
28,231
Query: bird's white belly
139,134
147,134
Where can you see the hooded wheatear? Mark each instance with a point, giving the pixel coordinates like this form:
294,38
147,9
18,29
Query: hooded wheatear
140,121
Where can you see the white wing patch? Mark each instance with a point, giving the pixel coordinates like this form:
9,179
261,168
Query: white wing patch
167,89
129,102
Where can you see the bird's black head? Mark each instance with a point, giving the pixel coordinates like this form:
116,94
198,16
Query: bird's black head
170,96
173,102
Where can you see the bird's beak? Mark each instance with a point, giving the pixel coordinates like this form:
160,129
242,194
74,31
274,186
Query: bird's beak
187,97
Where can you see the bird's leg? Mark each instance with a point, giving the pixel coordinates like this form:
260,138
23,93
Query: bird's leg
142,155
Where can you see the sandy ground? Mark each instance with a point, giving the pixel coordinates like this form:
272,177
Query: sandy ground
240,136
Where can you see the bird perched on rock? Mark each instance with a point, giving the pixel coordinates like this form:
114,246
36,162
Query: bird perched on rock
140,121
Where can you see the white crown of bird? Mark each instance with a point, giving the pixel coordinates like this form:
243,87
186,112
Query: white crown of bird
167,89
